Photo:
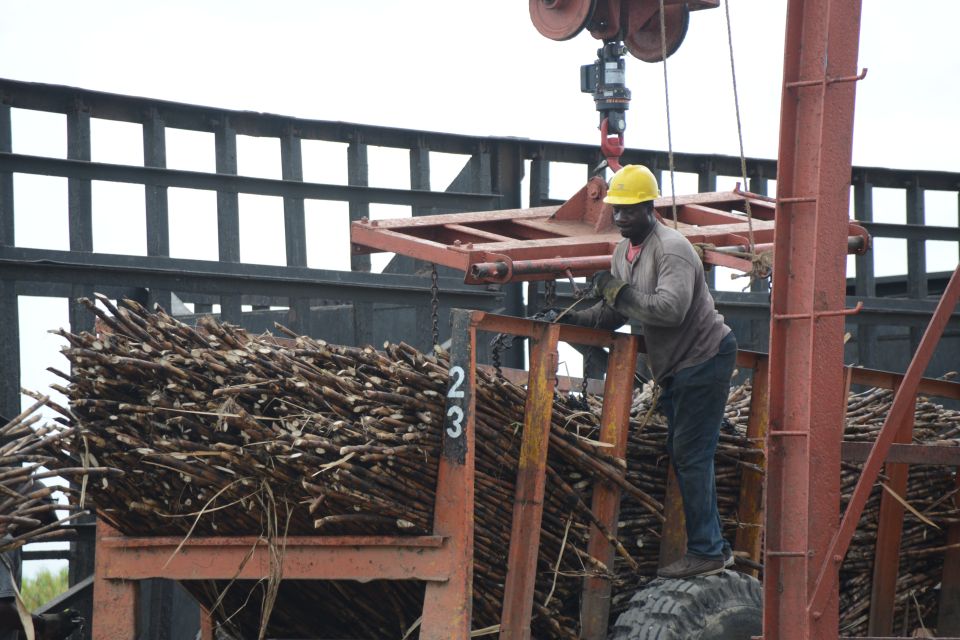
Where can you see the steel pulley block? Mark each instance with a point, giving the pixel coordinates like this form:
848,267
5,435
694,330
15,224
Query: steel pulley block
643,37
560,19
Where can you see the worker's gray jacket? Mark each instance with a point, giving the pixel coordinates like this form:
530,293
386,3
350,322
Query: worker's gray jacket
668,296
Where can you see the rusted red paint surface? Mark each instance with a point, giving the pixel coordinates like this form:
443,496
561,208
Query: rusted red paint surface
531,481
447,606
114,601
886,559
806,383
578,236
948,620
903,404
750,510
614,429
673,538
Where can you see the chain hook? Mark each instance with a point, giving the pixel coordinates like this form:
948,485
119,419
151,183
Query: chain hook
611,146
434,304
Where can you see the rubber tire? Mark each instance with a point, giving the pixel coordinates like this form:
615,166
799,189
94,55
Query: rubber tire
725,606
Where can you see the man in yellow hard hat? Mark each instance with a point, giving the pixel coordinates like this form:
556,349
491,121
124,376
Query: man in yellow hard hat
656,280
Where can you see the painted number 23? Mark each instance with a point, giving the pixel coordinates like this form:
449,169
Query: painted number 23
455,412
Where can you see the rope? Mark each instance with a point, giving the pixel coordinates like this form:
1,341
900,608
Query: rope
743,159
666,94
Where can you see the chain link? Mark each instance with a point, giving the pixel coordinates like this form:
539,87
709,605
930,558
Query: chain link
497,347
549,294
583,382
434,304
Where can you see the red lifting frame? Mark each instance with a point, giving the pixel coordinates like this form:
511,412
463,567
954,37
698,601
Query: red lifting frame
576,238
444,559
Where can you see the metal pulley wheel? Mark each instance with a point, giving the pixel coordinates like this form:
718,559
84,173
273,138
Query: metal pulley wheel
644,41
560,19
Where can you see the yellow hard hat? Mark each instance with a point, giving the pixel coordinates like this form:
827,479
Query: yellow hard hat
634,183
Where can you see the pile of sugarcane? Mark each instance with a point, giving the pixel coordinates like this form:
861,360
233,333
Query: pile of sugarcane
224,433
28,506
931,499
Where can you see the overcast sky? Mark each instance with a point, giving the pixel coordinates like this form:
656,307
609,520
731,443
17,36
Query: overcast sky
441,65
481,68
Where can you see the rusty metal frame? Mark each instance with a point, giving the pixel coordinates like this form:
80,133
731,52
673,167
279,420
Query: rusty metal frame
806,388
528,504
576,238
444,559
903,403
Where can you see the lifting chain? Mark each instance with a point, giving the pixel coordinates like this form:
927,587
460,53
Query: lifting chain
583,382
434,305
549,294
497,347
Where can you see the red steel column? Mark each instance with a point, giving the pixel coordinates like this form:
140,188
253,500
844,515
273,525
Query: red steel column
673,534
114,601
531,480
614,428
948,620
448,606
806,406
750,511
886,558
206,625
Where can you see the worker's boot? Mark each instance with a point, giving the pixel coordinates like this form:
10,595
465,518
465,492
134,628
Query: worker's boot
690,566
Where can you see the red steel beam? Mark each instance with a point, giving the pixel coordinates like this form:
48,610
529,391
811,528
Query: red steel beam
870,377
806,389
614,429
903,402
531,481
305,558
943,455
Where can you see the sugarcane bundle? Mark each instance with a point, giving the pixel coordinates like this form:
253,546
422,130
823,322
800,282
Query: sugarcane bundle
226,433
930,510
223,433
28,506
930,494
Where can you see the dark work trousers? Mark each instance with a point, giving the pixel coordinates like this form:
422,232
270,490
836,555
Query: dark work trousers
693,400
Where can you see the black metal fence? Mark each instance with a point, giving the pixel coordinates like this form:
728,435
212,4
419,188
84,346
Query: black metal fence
356,306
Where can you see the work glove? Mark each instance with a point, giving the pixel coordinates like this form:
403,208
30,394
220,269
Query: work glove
605,286
547,315
57,626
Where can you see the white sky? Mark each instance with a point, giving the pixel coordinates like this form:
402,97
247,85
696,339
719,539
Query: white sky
481,68
472,68
439,65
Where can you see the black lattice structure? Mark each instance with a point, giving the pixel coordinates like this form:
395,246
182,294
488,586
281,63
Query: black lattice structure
356,306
